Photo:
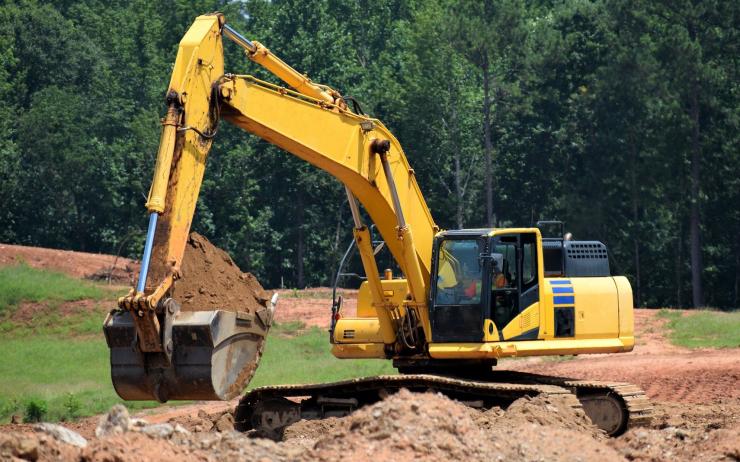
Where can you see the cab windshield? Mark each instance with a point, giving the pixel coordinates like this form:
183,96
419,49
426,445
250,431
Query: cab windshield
459,272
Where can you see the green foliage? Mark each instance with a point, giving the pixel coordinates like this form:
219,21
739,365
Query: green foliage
36,410
704,329
72,406
590,122
22,283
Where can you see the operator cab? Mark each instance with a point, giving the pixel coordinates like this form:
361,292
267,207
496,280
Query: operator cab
480,276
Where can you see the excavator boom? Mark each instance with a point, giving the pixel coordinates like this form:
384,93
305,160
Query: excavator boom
311,122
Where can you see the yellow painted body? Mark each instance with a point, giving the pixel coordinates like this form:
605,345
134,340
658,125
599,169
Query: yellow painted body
314,124
603,320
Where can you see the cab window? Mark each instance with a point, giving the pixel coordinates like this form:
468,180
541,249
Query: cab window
506,276
459,272
528,265
529,261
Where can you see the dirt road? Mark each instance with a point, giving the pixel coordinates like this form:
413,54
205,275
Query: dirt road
666,372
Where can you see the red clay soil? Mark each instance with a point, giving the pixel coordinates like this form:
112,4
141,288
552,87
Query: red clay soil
415,426
312,306
666,372
76,264
211,280
697,377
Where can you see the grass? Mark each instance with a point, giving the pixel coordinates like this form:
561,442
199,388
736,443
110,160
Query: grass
56,367
22,283
305,356
703,328
48,322
69,377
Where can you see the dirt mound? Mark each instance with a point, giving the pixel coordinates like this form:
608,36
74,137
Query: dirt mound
405,426
672,443
313,429
77,264
554,410
408,426
211,280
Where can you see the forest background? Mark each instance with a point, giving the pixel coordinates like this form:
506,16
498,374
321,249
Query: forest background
618,117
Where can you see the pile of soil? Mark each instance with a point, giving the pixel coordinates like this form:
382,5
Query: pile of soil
686,432
94,266
545,410
210,280
407,426
672,443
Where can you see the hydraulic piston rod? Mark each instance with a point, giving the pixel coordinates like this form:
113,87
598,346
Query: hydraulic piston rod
239,39
264,57
147,252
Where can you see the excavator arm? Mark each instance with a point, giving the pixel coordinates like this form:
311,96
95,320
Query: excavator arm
309,121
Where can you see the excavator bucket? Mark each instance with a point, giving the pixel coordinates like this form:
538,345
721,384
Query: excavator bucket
209,355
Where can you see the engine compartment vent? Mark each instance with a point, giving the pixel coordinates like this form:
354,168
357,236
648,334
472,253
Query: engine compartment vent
586,258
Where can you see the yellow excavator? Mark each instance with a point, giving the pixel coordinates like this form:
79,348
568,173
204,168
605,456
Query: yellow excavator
466,298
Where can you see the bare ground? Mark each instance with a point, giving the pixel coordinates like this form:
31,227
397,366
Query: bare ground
666,372
697,417
409,426
312,307
696,395
78,264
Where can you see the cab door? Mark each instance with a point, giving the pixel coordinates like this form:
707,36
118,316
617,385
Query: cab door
515,286
460,292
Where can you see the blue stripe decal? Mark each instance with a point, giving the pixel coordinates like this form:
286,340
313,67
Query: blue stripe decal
563,300
562,290
559,282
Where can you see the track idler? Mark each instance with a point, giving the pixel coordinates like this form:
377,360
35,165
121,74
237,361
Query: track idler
208,355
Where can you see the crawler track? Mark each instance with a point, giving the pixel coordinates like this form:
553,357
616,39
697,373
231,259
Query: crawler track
603,401
613,406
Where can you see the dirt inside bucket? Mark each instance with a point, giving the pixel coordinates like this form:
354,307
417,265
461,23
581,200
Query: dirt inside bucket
211,280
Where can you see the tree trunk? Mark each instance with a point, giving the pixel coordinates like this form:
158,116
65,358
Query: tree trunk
300,277
679,263
635,222
697,265
459,193
737,272
488,145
